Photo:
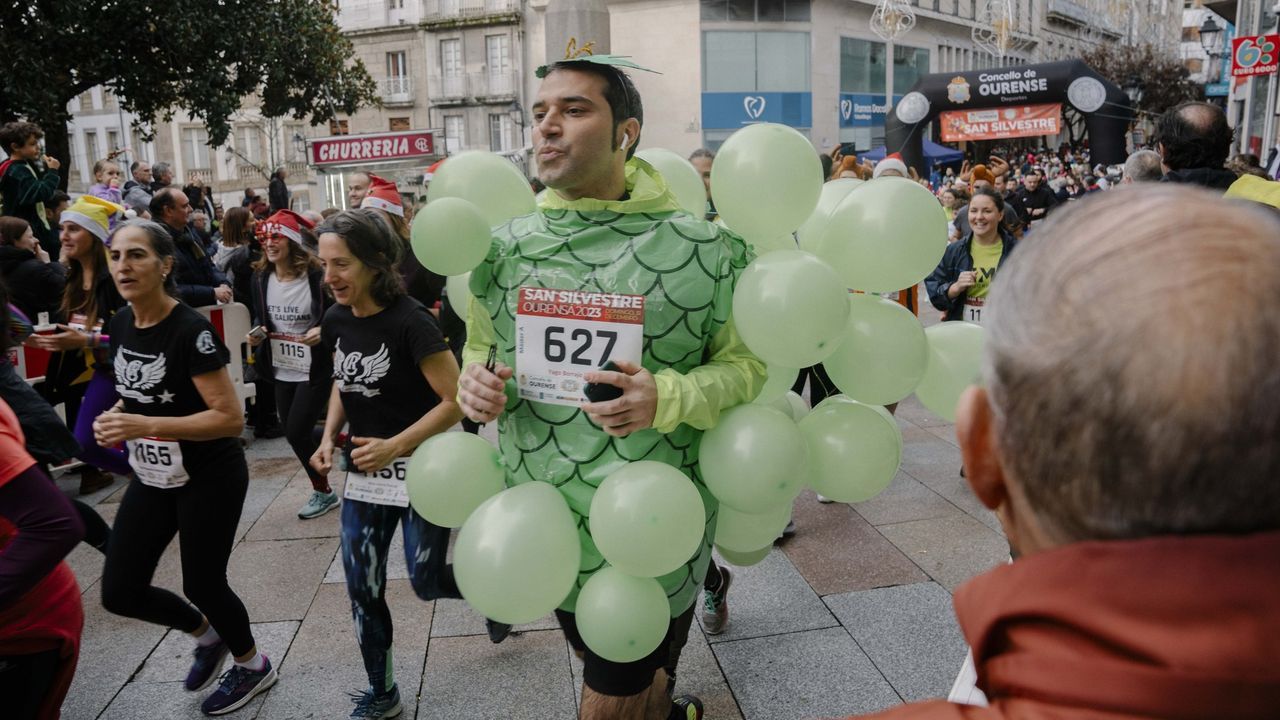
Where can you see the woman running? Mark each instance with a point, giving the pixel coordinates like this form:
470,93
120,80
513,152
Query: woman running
89,301
396,386
288,302
181,421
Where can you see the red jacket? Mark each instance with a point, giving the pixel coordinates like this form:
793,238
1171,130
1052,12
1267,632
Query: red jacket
1174,628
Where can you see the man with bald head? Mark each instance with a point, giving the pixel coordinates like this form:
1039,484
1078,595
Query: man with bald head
1129,450
1194,140
357,188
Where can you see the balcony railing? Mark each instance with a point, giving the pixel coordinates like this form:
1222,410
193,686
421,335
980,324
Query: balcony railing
248,172
446,10
447,88
397,89
495,85
204,175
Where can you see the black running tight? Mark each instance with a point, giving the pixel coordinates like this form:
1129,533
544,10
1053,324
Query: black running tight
203,514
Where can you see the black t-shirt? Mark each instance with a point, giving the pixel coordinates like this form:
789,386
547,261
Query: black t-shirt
154,368
375,364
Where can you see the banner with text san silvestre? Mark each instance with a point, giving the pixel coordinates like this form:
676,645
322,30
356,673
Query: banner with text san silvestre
1001,123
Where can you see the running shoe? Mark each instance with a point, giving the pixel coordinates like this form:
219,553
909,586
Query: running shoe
687,707
368,705
206,665
318,504
715,605
787,531
238,686
824,499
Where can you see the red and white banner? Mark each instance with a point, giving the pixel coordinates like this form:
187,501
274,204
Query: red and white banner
366,149
1001,123
1255,55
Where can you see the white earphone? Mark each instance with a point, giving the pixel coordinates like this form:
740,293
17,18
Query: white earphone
626,140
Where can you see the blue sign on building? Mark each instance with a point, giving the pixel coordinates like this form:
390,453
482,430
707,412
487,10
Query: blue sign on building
727,111
1222,88
863,109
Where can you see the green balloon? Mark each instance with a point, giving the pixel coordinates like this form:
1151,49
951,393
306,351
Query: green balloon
647,518
449,476
491,182
683,179
777,384
886,235
883,355
516,558
753,459
748,532
790,308
621,617
955,363
797,405
786,242
833,191
765,181
854,449
450,237
745,559
458,288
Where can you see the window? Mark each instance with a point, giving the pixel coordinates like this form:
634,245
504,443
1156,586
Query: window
248,142
399,124
295,151
113,141
455,133
755,10
451,57
138,146
755,61
396,65
195,148
339,127
498,53
500,132
862,66
91,155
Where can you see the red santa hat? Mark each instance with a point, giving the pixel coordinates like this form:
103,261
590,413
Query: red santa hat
893,161
384,196
286,223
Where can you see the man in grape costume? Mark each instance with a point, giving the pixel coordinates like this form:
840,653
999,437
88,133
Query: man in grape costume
652,290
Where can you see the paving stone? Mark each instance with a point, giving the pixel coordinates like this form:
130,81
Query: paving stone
945,433
280,520
910,633
904,500
931,453
957,491
819,673
526,676
277,579
171,659
112,648
266,479
169,700
912,411
951,549
770,598
323,663
455,618
699,674
837,551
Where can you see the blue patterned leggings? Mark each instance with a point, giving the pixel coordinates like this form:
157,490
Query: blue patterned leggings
367,530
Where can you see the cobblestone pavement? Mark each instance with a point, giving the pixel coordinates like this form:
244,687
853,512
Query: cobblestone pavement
851,615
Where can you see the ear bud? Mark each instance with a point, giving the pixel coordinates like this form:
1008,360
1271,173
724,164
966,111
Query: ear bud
626,140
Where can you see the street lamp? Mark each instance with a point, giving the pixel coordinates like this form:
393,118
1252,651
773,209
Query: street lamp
1134,88
517,113
1209,34
891,19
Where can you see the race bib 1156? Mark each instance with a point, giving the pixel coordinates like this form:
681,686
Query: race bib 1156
380,487
561,335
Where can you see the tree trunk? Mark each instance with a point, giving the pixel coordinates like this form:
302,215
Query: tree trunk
57,144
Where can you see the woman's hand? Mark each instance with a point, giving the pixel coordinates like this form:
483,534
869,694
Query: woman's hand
312,337
68,339
113,428
373,454
966,280
254,339
322,459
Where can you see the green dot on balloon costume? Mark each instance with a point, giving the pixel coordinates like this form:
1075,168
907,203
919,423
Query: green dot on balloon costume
490,182
450,474
885,235
955,362
449,236
854,449
754,458
647,518
883,354
621,617
516,558
788,307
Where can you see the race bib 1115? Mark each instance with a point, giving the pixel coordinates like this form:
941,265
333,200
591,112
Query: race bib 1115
561,335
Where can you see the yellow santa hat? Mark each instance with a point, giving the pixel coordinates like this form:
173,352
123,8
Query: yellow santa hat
91,213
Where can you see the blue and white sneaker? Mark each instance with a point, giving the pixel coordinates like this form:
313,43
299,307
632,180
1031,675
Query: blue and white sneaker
239,685
369,705
206,665
318,504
